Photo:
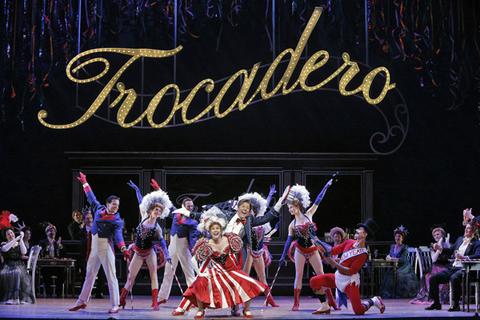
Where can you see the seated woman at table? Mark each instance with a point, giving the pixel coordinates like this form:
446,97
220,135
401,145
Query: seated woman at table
15,282
52,249
439,263
407,283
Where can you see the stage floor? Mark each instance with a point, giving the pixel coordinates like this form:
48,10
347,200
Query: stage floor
98,309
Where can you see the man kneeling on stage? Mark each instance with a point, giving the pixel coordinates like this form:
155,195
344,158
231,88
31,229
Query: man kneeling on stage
346,278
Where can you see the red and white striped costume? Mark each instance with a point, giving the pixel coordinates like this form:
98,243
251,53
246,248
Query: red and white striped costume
226,285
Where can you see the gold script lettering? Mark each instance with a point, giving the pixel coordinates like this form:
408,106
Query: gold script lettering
315,62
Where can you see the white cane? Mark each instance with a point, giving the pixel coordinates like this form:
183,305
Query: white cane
178,282
270,291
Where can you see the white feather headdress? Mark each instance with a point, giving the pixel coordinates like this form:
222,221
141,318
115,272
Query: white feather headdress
158,196
302,194
213,214
258,202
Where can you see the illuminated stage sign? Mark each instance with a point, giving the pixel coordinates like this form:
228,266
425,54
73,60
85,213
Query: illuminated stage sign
127,97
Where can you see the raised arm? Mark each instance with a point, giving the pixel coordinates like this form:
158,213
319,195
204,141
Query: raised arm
319,199
155,185
83,179
10,244
467,216
270,194
92,200
257,221
189,214
137,191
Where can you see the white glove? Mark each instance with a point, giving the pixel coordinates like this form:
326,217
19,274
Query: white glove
13,218
183,211
447,240
282,200
22,234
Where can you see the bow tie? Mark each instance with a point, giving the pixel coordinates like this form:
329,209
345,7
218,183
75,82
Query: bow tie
242,221
181,219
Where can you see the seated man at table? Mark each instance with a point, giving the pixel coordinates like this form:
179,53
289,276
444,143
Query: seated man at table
52,249
465,248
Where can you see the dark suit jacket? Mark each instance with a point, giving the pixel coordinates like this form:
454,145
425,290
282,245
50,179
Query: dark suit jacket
59,253
256,221
472,251
83,237
73,229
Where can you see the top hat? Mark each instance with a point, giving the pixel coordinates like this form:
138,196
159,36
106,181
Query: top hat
370,227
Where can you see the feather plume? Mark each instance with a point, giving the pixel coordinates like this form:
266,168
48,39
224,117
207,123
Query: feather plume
157,196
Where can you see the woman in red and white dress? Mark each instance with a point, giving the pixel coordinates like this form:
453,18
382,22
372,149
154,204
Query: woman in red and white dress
220,282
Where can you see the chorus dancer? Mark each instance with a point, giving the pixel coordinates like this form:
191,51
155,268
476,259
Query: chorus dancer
241,222
220,282
183,236
107,224
258,255
346,278
145,254
299,246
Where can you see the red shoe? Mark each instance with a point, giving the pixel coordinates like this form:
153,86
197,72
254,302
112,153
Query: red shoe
270,300
162,302
123,295
200,314
296,297
155,299
178,313
247,314
377,302
324,309
114,310
321,312
82,306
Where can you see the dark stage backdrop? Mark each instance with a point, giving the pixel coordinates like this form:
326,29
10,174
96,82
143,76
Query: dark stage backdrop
426,170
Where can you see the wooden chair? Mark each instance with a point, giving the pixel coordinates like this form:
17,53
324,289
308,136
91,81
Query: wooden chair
412,258
32,266
424,259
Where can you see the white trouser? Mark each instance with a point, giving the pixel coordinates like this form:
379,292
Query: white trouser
179,251
101,253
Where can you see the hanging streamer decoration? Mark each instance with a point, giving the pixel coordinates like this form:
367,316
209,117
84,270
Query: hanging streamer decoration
436,38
